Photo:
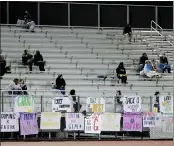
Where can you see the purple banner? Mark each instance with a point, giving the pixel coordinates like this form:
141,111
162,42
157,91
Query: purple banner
28,123
132,122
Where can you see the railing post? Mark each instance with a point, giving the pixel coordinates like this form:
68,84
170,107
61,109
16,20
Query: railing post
156,16
128,17
41,102
38,13
98,16
69,15
2,102
7,12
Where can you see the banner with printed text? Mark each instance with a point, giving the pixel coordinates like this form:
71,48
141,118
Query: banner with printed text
61,104
24,104
110,121
166,104
9,122
50,120
132,103
74,121
28,124
167,123
132,122
95,104
93,123
152,119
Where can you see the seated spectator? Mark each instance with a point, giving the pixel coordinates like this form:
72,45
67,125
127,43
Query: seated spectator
155,66
60,84
29,23
121,73
3,68
23,86
76,105
149,71
38,61
156,106
128,31
143,58
26,56
164,64
14,88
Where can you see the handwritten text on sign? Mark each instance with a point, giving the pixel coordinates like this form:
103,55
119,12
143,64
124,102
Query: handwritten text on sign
74,121
166,104
61,104
93,124
132,122
9,122
167,123
132,103
110,121
28,123
24,104
50,120
151,119
95,104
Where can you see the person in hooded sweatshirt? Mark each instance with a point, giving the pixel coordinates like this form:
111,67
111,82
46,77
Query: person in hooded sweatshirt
38,61
121,73
60,84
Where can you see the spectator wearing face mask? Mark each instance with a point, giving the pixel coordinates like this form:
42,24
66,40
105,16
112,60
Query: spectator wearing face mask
121,73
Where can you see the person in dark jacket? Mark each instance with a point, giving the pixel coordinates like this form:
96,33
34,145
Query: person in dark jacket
128,30
143,58
156,106
27,17
76,105
60,84
23,86
38,61
2,65
164,64
26,56
121,73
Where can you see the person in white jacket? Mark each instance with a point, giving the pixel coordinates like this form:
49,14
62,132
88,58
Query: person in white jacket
14,88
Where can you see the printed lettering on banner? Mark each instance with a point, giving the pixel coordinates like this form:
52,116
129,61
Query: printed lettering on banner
167,122
61,104
95,104
110,121
151,119
9,122
166,104
28,124
132,122
132,103
50,120
93,123
74,121
24,104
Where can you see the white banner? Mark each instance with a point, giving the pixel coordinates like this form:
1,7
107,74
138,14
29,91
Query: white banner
74,121
93,123
61,104
95,104
132,103
110,121
50,120
24,104
9,122
152,119
167,123
166,104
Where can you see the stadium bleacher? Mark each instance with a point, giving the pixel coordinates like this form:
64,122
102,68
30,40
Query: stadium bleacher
81,54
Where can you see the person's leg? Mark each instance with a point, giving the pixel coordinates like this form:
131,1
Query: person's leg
41,66
168,68
30,64
130,36
62,90
141,67
162,67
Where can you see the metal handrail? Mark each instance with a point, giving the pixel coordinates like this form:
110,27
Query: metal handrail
155,29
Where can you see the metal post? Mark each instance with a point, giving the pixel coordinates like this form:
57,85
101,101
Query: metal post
7,12
156,16
38,13
2,102
151,103
98,16
41,102
69,13
128,14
